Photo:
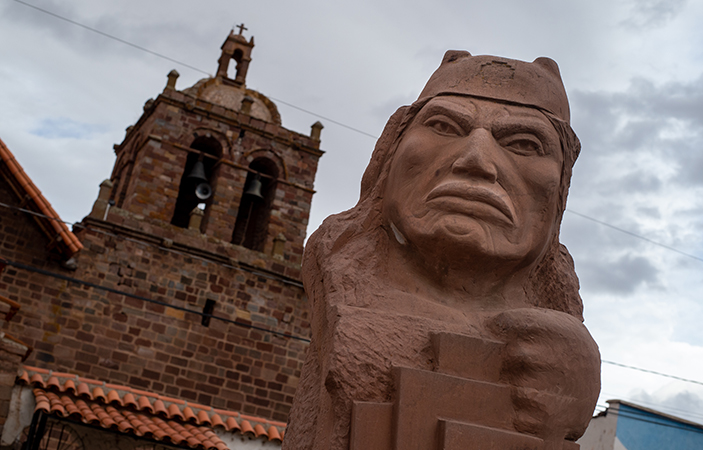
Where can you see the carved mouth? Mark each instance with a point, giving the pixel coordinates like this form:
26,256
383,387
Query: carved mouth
472,193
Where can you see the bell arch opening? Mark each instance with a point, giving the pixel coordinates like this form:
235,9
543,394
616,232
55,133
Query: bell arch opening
197,179
237,57
251,226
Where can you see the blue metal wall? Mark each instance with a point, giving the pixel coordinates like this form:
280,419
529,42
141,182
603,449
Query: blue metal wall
641,430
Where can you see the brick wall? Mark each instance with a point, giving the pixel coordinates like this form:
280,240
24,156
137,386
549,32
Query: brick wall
152,344
117,338
21,239
152,159
120,339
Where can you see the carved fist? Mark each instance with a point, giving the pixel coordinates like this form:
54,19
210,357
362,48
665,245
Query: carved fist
552,364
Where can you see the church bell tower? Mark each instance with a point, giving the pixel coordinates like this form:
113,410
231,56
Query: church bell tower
206,211
213,158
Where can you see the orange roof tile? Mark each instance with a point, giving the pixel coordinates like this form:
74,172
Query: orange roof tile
152,416
51,223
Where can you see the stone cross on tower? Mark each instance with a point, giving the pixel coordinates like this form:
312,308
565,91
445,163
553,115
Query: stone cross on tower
238,49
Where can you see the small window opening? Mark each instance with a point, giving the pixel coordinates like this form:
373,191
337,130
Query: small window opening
207,312
251,227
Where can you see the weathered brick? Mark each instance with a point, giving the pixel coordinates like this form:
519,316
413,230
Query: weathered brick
122,339
150,374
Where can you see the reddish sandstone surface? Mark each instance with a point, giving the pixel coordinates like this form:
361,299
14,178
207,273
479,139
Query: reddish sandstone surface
446,313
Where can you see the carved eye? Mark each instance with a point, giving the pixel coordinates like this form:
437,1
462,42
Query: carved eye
444,126
524,144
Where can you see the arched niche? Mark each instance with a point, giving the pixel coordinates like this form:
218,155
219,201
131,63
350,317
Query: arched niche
237,57
251,227
209,151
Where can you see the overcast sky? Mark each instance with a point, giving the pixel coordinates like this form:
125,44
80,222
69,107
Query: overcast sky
633,71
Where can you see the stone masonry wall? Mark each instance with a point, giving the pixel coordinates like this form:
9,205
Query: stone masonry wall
21,239
134,250
120,339
158,147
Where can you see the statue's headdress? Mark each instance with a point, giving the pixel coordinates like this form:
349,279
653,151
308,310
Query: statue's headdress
537,84
553,284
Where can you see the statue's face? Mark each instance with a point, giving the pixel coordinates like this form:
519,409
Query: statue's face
476,178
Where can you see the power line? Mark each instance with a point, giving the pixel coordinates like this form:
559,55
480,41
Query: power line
109,36
326,118
59,276
661,407
643,416
159,247
168,58
138,47
73,22
38,214
652,372
79,225
635,235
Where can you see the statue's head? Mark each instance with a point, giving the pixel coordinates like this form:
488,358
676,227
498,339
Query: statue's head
476,171
475,175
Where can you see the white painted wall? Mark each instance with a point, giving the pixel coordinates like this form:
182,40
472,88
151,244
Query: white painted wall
600,434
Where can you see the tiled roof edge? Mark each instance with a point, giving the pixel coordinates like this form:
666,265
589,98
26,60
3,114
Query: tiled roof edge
71,243
99,391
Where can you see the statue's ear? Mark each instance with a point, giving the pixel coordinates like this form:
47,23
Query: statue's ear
453,55
548,64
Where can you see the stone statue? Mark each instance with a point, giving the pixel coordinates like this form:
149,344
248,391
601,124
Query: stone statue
446,313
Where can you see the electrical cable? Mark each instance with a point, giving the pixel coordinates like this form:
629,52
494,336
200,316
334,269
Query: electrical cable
644,416
79,225
652,372
658,406
168,58
109,36
59,276
635,235
73,22
325,118
159,247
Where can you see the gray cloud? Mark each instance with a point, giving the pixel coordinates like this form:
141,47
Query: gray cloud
356,64
643,183
619,276
653,13
157,31
649,211
639,145
665,120
684,404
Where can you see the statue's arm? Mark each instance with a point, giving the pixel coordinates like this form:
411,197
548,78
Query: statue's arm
552,364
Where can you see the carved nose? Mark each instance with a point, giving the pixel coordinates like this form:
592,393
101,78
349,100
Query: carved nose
476,159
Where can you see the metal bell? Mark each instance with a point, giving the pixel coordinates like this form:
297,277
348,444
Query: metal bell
198,172
254,188
203,191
